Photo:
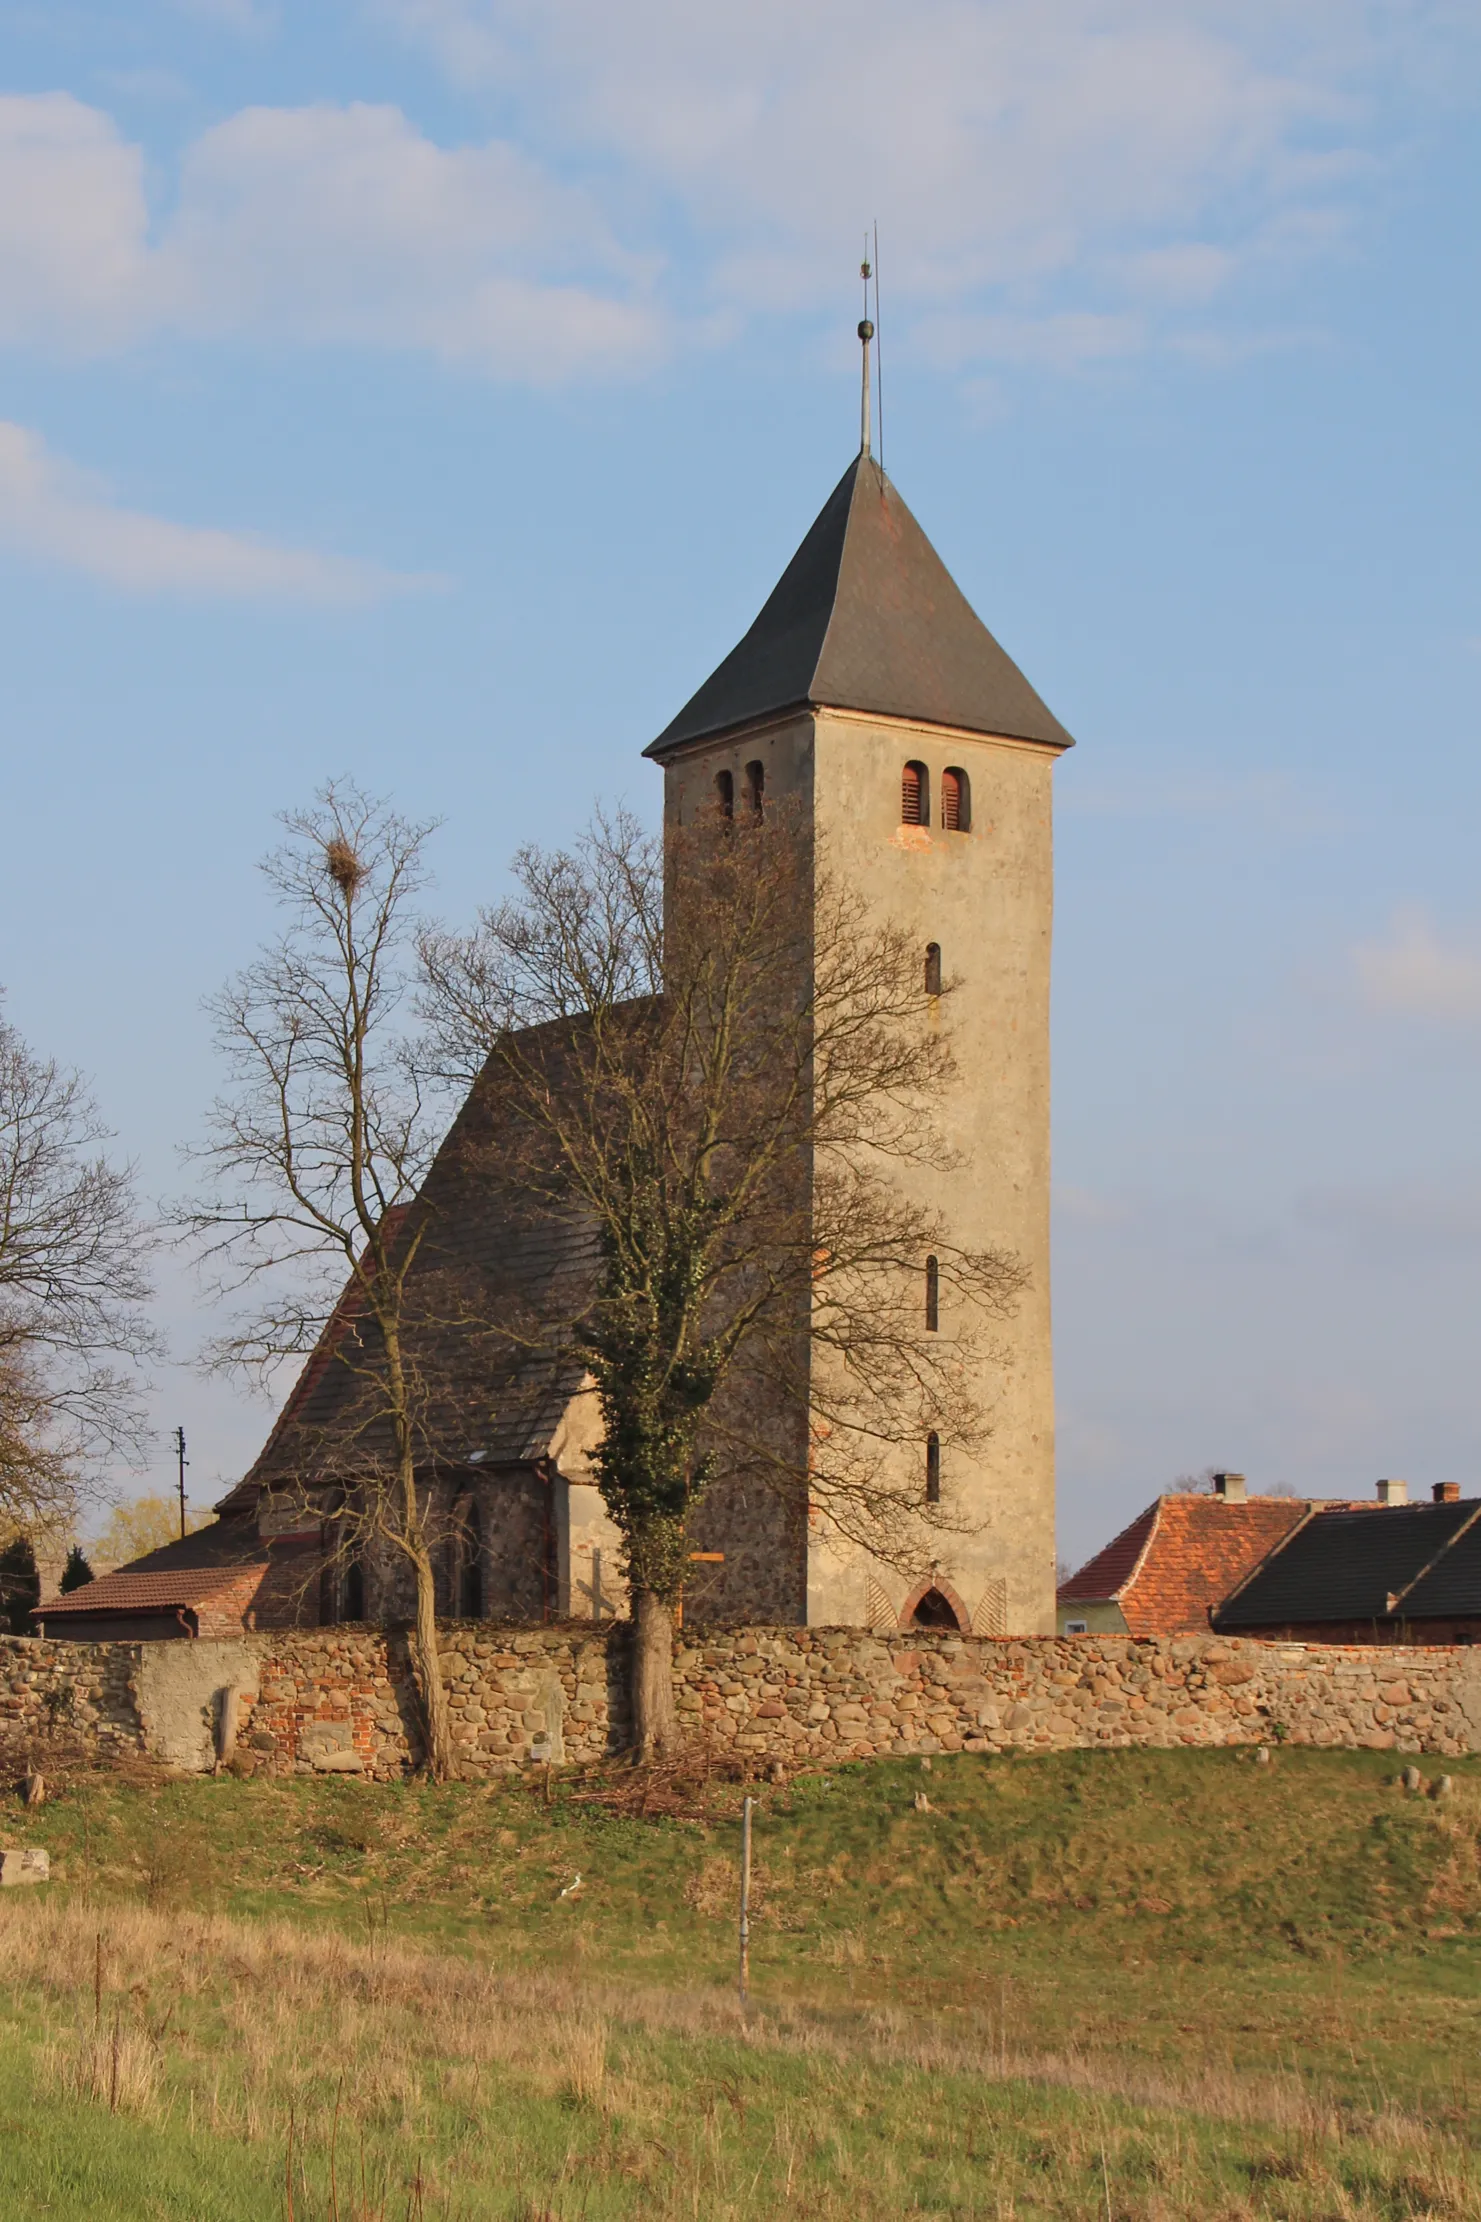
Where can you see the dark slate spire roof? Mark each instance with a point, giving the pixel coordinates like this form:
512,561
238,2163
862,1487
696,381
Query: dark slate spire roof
866,616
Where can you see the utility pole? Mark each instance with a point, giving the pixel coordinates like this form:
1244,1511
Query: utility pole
745,1902
183,1463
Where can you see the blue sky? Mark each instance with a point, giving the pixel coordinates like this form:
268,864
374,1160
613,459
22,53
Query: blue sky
432,389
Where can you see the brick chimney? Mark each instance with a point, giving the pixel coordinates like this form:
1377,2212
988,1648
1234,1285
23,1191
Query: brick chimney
1446,1492
1393,1492
1230,1487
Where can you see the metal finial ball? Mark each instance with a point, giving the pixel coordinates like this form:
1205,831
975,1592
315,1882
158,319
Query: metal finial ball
866,331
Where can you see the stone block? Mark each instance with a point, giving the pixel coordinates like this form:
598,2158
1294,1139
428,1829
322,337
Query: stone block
28,1866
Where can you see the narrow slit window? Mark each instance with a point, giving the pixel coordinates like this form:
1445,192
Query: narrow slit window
956,802
470,1569
353,1602
725,793
933,968
933,1468
915,796
756,788
933,1296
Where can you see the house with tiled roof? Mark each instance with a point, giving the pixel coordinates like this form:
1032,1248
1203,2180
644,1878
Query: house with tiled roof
221,1581
1165,1574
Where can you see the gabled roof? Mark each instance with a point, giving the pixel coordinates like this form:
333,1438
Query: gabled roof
179,1576
492,1291
867,617
1102,1579
1373,1563
1182,1557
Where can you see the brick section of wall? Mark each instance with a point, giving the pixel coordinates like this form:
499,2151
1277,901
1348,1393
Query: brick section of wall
335,1696
82,1695
336,1699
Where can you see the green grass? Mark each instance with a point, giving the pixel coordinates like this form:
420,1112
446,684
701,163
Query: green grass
1255,1990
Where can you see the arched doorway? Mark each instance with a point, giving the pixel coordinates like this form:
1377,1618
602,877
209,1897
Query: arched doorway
935,1605
933,1611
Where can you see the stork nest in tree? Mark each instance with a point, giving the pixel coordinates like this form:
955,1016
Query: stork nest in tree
345,867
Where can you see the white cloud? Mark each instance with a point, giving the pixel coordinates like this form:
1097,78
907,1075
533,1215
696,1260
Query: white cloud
312,225
1057,184
73,224
1415,974
52,511
1142,149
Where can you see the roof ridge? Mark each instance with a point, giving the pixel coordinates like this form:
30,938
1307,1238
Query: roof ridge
1298,1527
1397,1596
1141,1557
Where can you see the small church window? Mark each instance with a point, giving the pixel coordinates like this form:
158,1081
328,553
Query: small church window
725,793
933,1468
756,788
915,796
353,1598
933,1296
956,802
933,968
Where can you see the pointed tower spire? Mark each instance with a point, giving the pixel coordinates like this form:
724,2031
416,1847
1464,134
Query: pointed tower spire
866,334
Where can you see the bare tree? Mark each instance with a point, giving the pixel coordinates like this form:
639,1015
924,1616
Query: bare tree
315,1155
709,1049
74,1286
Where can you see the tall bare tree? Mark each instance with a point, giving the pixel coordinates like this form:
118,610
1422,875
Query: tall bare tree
314,1154
74,1290
709,1049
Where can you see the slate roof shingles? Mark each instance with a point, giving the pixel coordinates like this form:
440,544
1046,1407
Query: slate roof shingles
1347,1563
867,617
483,1257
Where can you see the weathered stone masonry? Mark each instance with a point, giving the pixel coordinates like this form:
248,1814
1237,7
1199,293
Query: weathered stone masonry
342,1701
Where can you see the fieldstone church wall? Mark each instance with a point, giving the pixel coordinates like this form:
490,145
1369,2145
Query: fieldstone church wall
339,1700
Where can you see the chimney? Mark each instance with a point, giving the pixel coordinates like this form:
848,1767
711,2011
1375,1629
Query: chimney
1393,1492
1230,1487
1446,1492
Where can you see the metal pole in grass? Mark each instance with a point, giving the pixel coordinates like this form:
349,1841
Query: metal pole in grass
745,1900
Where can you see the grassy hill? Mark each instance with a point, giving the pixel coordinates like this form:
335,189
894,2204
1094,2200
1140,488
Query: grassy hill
1133,1984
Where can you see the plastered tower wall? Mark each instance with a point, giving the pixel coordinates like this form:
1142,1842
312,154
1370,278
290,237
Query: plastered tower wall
986,897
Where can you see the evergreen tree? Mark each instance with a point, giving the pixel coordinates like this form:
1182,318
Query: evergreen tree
20,1586
76,1573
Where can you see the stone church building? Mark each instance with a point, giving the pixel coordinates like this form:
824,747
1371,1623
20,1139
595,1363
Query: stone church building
871,698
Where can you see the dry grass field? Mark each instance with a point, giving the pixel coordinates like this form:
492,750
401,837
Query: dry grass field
1142,1986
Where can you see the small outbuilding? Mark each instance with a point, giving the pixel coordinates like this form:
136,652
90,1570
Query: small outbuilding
224,1580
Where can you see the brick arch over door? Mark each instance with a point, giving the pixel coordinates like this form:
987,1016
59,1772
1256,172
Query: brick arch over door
942,1589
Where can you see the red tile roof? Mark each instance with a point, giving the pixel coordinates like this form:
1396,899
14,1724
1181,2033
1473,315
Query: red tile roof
1107,1574
1181,1557
194,1571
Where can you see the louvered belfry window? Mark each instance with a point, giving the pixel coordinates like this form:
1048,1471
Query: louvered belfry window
933,1296
915,796
956,804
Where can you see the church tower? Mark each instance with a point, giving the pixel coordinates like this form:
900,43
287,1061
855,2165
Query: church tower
870,696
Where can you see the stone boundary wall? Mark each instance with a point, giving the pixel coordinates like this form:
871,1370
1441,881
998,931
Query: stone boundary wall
342,1700
82,1695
